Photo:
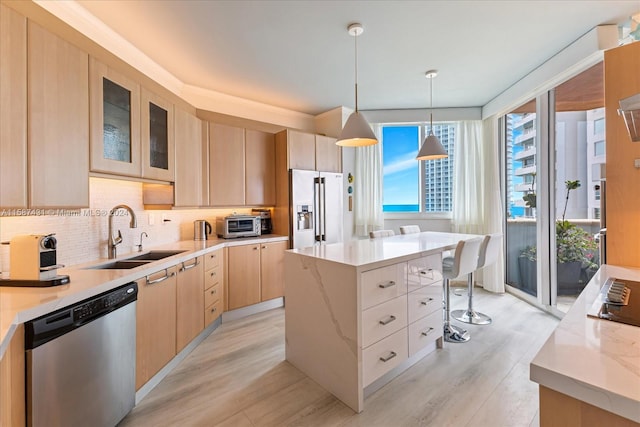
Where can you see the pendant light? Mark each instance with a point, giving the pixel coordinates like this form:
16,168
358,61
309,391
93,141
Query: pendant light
356,132
431,148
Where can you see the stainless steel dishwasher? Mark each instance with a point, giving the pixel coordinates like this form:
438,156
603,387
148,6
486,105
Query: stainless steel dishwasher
80,362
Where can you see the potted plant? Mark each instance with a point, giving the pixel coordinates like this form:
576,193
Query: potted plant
575,252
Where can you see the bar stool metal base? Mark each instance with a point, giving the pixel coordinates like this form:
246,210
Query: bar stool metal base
471,316
455,334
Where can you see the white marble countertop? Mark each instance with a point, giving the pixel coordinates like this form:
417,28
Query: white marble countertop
593,360
21,304
372,253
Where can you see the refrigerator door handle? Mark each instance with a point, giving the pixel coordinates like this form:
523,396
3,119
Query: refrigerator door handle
316,209
323,210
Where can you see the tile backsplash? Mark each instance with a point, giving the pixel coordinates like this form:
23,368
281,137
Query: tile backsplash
82,234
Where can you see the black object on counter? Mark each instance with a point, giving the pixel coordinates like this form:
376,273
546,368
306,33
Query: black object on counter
54,281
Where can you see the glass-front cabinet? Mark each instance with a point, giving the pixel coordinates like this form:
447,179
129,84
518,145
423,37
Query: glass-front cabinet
158,158
115,121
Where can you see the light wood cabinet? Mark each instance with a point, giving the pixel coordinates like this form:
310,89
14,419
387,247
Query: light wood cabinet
115,121
226,165
157,137
328,154
189,297
155,323
243,275
272,270
301,150
58,128
12,381
213,286
255,273
260,152
189,187
13,109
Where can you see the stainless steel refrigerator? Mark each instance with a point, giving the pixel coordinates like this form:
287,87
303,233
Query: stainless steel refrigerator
316,207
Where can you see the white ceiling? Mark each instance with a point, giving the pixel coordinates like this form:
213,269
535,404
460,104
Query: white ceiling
298,54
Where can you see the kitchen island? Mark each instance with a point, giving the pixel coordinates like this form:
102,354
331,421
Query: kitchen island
359,313
589,368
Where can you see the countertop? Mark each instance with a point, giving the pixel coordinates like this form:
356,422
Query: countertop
19,305
372,253
593,360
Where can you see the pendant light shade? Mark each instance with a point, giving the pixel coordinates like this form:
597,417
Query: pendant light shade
431,148
356,131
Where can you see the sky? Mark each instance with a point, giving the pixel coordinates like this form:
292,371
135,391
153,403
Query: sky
400,167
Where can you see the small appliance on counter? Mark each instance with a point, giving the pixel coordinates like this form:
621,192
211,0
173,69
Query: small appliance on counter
265,219
201,229
233,226
33,262
618,301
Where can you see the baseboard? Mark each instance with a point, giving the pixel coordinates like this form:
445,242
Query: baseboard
239,313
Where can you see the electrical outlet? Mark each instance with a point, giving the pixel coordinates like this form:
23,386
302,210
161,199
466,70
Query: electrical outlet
152,219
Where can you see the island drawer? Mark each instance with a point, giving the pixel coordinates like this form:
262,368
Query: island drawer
424,331
424,271
424,301
383,284
383,356
383,320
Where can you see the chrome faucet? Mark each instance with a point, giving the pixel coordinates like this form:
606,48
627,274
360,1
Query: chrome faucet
114,241
140,245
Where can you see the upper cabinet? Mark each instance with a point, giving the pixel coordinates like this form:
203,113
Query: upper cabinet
189,187
260,177
226,165
300,150
13,109
58,121
158,149
115,121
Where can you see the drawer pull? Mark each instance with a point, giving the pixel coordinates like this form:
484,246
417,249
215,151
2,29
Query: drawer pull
426,301
387,321
424,272
213,292
264,247
212,256
427,332
161,279
255,248
213,274
389,284
389,357
213,310
188,267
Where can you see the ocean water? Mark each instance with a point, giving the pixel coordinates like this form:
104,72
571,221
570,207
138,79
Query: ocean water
400,208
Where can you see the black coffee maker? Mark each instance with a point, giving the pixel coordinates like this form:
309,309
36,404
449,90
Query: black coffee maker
265,219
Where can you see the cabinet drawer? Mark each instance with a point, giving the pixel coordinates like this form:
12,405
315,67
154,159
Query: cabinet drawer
211,295
424,332
424,301
383,320
424,271
383,356
211,277
212,312
212,259
383,284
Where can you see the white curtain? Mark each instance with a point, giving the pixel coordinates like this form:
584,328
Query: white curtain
477,206
367,188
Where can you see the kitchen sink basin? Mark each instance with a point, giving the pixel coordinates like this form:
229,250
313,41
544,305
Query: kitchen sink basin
155,255
119,265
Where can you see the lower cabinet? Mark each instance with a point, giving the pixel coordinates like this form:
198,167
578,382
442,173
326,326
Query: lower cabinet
255,273
155,323
189,296
213,286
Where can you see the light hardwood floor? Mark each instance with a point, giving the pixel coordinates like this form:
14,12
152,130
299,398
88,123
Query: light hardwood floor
239,377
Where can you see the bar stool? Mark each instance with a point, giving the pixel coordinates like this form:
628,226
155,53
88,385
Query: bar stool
489,252
409,229
381,233
464,261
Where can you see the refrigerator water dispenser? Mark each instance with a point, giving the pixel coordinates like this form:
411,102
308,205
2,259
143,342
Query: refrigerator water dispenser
305,217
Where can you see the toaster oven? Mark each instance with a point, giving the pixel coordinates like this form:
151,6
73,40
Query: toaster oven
233,226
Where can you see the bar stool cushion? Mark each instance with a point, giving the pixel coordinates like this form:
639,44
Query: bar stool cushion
409,229
465,258
381,233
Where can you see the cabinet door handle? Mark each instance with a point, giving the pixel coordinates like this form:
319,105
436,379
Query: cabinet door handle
389,357
427,332
161,279
389,284
387,321
188,267
426,301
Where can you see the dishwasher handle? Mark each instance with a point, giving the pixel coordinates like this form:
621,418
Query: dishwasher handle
50,326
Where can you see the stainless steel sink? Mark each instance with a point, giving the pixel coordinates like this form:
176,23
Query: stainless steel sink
155,255
119,265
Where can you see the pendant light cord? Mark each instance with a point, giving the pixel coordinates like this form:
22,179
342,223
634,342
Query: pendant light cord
431,106
356,68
